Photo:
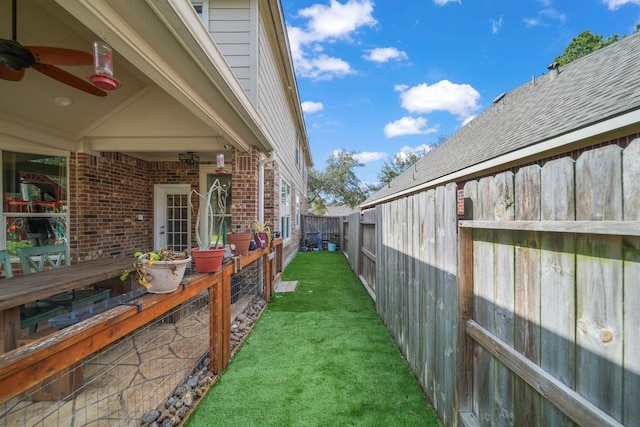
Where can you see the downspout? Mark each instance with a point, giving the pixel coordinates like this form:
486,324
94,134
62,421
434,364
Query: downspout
263,162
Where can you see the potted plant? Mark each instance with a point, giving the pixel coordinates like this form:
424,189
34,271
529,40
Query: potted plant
239,242
262,233
160,271
208,258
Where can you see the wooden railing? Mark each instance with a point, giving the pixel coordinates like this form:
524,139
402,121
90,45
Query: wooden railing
27,366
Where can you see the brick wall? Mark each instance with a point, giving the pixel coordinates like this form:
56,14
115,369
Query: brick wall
244,189
107,193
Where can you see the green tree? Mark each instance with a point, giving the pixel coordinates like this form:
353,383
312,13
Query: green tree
401,162
337,184
584,44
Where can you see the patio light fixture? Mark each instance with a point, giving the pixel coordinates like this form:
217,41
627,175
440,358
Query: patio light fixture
189,158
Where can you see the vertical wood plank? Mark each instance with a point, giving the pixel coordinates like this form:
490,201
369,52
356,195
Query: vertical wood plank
417,231
419,245
631,268
380,266
527,292
430,293
483,303
449,250
557,290
599,281
504,287
440,332
465,303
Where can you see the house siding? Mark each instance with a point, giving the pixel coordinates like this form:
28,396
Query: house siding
230,26
277,116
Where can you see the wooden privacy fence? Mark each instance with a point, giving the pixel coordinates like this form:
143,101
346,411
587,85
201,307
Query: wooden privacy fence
327,226
526,312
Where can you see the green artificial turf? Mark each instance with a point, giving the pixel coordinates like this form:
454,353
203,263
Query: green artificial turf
319,356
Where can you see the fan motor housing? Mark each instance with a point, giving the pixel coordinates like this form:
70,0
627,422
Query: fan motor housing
15,56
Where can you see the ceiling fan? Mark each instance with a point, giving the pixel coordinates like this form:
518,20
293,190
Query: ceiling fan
15,59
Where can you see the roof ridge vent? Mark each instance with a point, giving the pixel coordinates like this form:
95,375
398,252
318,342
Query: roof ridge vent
554,70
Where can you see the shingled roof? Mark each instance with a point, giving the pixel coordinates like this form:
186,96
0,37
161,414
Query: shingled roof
593,89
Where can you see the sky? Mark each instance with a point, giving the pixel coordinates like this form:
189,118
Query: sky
387,77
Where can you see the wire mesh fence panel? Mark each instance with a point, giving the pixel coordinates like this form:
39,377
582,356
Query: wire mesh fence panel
117,385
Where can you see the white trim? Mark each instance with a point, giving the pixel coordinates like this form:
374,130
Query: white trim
628,119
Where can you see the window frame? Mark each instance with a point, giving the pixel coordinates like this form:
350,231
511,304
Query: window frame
285,210
59,220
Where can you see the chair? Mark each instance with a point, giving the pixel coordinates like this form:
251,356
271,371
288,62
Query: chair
30,317
5,263
40,258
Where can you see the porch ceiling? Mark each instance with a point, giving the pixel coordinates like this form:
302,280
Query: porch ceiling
174,97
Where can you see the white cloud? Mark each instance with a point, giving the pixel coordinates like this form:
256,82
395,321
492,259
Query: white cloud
364,156
544,16
407,126
443,2
460,100
468,119
614,4
406,151
311,107
385,54
369,156
531,22
552,13
326,24
496,25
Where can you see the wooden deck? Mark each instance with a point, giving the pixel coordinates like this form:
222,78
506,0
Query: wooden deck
25,289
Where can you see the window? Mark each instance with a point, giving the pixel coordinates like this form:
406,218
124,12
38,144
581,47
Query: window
34,192
202,9
285,210
297,211
207,177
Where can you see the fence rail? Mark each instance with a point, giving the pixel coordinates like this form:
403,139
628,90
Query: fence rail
525,312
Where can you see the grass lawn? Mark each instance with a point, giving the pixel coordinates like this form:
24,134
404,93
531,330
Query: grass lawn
319,356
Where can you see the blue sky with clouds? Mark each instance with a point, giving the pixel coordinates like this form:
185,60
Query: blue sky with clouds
389,76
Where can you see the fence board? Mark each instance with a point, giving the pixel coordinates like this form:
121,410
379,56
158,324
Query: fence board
599,280
527,292
631,202
503,203
449,251
420,226
557,291
430,292
483,304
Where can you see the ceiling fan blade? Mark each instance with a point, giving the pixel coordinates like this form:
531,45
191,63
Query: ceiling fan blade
68,79
60,56
10,74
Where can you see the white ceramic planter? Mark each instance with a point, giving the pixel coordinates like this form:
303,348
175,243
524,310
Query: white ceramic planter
164,278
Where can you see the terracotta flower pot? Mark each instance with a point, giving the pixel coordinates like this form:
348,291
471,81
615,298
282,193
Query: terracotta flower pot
208,261
239,242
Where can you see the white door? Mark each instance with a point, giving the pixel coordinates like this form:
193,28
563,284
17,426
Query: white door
172,216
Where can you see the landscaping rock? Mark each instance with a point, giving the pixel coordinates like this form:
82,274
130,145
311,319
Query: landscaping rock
185,395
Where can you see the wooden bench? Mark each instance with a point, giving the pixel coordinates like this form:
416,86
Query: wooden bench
24,289
40,258
30,317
